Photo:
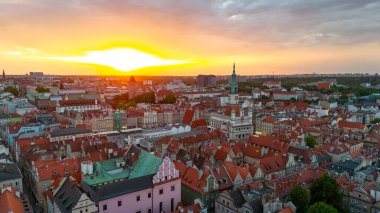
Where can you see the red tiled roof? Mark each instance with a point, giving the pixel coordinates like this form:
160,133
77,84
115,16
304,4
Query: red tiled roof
80,102
351,125
286,210
46,168
273,164
9,202
188,117
269,120
163,92
14,128
323,85
195,208
198,123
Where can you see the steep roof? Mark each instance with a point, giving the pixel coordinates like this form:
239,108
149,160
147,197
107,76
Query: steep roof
9,202
67,195
9,171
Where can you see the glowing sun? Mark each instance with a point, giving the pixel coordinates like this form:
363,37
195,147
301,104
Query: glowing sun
121,59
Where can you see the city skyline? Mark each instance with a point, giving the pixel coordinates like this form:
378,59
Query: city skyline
188,38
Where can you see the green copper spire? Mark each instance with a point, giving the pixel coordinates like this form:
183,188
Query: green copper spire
233,83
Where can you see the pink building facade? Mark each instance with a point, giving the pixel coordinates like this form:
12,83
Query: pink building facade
148,194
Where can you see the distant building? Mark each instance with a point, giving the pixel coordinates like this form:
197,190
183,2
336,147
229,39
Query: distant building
365,85
78,105
176,84
36,74
285,95
147,82
206,80
271,84
71,91
132,87
323,85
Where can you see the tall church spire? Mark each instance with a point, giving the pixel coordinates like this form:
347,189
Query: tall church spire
233,82
3,74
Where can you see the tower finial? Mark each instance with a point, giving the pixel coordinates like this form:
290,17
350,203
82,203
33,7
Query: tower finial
233,70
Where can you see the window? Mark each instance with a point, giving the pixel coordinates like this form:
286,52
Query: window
161,191
138,212
160,206
173,188
138,198
104,207
80,211
149,195
66,170
149,210
55,172
172,204
119,203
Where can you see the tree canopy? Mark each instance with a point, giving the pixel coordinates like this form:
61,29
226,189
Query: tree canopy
375,121
300,198
169,99
310,141
11,90
41,89
326,189
122,101
321,207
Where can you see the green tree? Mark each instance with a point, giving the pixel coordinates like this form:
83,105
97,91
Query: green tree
321,207
375,121
326,189
169,99
310,141
41,89
300,198
11,90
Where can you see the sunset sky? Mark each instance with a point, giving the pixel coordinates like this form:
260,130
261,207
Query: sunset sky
189,37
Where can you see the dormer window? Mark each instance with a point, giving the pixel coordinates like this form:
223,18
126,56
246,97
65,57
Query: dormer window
55,172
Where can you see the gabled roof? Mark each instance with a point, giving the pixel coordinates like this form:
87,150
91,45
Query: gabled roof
188,117
10,202
67,195
273,164
9,171
351,125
